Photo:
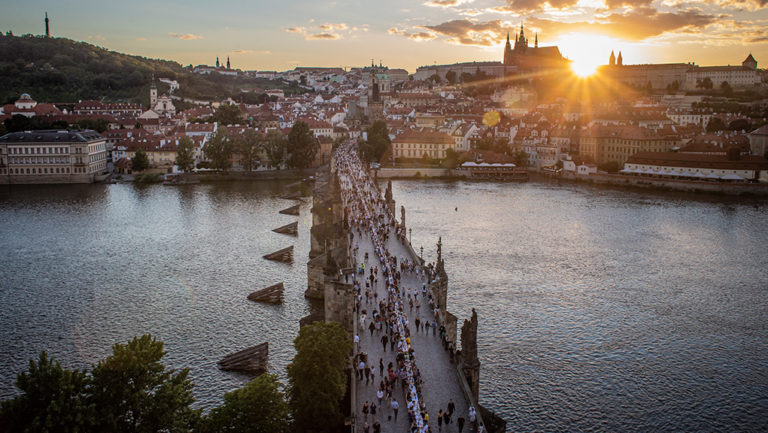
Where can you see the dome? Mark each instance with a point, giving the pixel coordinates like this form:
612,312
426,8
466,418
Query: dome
25,97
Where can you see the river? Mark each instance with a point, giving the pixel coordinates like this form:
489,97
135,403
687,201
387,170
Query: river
600,309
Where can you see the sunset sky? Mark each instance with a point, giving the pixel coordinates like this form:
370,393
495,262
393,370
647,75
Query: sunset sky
269,35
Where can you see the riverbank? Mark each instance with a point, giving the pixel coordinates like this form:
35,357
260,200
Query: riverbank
289,174
694,186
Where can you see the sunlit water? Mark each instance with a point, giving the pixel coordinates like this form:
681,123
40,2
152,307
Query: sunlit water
600,309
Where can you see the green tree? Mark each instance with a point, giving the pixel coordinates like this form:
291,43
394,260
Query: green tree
715,124
249,145
132,391
53,399
521,158
378,142
228,114
706,83
726,88
219,149
140,160
274,147
302,146
258,407
450,76
316,378
185,154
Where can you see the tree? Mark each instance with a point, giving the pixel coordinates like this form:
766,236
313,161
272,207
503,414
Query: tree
726,88
53,399
521,158
715,124
185,157
274,147
140,161
706,83
133,392
740,125
450,76
219,149
249,145
228,114
302,146
316,378
378,142
258,407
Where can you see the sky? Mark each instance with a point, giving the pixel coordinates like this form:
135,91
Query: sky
272,35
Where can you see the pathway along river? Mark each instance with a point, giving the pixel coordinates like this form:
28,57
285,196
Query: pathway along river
600,309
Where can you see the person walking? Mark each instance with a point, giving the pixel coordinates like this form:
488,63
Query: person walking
451,409
380,395
460,423
381,369
373,409
384,341
440,420
366,408
376,427
395,406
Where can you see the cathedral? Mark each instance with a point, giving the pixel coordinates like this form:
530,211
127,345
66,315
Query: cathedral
527,58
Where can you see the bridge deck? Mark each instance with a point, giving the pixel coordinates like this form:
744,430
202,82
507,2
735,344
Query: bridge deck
440,379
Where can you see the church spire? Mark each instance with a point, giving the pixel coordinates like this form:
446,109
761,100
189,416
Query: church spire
536,43
507,37
619,60
47,27
612,59
227,62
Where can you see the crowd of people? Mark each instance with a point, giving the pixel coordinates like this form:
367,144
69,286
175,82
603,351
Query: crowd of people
368,217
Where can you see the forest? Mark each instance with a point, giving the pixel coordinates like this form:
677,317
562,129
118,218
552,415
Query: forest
63,70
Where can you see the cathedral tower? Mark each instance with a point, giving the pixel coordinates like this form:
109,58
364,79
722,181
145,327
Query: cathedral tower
508,52
612,59
619,60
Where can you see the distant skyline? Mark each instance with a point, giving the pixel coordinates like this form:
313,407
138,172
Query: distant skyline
403,34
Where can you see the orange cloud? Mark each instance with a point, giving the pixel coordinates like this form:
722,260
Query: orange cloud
468,32
416,36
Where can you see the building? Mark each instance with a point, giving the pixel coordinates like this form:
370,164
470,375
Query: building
742,76
530,59
617,143
52,156
28,107
758,141
731,167
415,143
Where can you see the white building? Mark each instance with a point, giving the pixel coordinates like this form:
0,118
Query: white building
52,156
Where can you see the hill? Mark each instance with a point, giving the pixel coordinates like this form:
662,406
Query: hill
63,70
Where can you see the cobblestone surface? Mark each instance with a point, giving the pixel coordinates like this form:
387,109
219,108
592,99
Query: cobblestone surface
440,378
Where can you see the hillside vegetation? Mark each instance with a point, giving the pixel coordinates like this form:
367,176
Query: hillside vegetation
63,70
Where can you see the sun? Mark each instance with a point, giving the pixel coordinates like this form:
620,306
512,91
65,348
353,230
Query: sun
587,51
584,69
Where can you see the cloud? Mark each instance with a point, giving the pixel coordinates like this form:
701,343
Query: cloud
240,52
638,24
446,3
416,36
327,36
328,32
522,6
331,27
185,37
470,32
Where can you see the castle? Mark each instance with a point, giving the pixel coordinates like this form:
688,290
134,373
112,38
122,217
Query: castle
527,58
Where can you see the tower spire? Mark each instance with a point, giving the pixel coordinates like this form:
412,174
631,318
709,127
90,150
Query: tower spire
536,43
47,27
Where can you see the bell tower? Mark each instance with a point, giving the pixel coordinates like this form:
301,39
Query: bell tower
152,94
